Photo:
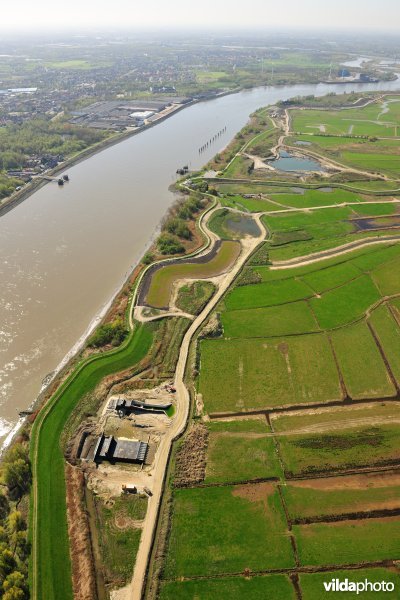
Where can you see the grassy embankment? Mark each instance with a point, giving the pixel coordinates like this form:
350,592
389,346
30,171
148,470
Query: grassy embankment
50,567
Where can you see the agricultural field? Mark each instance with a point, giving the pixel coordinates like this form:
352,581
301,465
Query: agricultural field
319,499
224,517
240,451
334,450
296,379
293,318
348,542
355,347
250,374
255,588
361,138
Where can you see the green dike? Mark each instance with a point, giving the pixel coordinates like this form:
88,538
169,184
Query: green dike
51,567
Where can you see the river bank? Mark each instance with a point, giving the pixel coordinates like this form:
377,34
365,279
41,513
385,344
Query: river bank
17,197
68,251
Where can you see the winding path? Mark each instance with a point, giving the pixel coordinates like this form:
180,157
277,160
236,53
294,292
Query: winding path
134,590
308,259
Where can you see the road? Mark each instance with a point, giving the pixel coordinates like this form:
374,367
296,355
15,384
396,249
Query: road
301,261
134,590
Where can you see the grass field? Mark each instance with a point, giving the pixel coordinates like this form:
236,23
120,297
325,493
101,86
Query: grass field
52,571
312,198
358,121
248,374
267,294
287,319
355,349
341,495
277,587
350,448
240,451
162,281
224,517
388,332
387,278
367,153
249,204
348,542
345,304
327,278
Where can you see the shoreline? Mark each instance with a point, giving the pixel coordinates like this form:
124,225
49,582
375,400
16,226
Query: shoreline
65,363
18,197
52,377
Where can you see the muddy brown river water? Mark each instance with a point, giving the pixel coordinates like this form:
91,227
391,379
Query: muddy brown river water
66,251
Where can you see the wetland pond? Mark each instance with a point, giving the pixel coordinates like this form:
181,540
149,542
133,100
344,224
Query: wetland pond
291,162
373,223
241,225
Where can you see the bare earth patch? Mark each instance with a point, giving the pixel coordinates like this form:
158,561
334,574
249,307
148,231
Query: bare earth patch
352,482
254,492
83,577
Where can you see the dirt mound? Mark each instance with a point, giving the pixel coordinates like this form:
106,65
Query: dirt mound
191,457
83,576
254,492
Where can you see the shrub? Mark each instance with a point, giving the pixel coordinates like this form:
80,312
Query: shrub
169,244
17,470
147,258
109,333
178,227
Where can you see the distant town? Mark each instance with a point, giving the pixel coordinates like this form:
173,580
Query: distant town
66,95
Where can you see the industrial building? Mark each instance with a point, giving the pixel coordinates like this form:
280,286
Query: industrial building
120,114
124,406
120,450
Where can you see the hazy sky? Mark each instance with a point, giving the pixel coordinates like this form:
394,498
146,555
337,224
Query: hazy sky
349,14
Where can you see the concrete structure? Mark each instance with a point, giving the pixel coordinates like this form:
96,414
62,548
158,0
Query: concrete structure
120,450
126,407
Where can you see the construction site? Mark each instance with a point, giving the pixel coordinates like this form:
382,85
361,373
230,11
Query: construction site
116,450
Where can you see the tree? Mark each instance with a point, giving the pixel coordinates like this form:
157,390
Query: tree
15,580
169,244
14,593
110,333
4,507
147,258
17,477
178,227
7,563
16,522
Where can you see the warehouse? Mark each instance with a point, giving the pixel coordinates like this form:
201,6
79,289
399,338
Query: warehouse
120,450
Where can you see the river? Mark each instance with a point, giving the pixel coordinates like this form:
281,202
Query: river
66,251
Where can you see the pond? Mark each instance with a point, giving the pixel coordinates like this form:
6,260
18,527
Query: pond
242,225
290,162
371,223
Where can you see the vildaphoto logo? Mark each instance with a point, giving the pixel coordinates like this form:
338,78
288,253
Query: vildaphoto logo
337,585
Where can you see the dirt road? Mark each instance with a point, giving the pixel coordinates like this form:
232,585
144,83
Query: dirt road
301,261
134,590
